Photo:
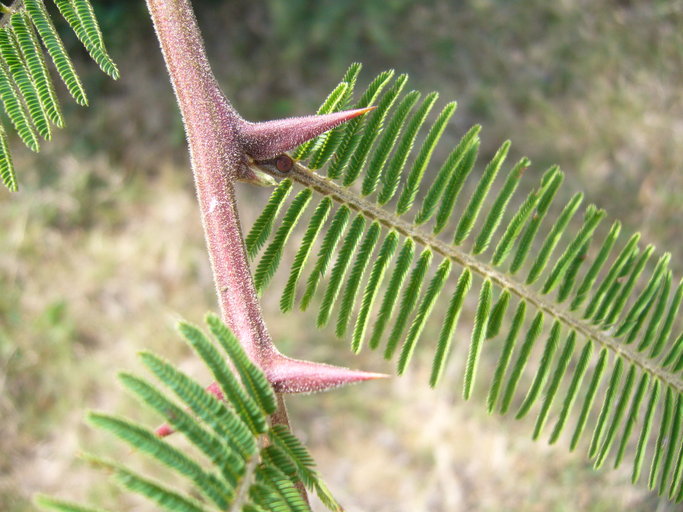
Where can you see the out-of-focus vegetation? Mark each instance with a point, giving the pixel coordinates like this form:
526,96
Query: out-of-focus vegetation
102,250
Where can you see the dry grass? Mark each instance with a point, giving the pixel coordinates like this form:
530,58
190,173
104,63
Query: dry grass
102,250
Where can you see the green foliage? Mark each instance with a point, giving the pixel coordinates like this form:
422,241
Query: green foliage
562,280
245,463
26,88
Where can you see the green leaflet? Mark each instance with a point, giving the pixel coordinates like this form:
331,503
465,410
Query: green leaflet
271,256
386,143
372,131
433,291
589,285
645,432
376,275
506,243
478,335
253,380
656,318
327,143
326,253
317,220
645,300
539,379
606,407
632,417
223,420
572,392
552,181
601,295
260,231
227,450
163,496
353,283
617,417
408,301
569,279
522,359
352,137
495,215
395,281
392,176
662,438
79,14
51,503
211,486
443,178
15,111
505,357
405,201
450,323
585,233
55,47
553,238
27,40
10,54
462,168
553,387
592,274
497,314
245,406
476,201
591,392
668,323
7,173
340,267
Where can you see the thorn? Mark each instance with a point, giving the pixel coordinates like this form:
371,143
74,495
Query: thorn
288,375
271,138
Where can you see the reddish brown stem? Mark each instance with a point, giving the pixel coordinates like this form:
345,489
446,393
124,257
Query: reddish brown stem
217,162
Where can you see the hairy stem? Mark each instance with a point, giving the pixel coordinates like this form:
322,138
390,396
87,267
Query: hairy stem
211,127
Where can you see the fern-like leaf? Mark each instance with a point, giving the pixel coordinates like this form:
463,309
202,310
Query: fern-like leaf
548,276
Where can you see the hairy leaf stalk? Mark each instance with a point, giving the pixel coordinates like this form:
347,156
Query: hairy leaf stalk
327,187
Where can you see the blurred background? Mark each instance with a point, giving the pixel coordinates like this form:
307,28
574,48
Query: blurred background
101,251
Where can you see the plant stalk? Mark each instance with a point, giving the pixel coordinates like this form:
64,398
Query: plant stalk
217,162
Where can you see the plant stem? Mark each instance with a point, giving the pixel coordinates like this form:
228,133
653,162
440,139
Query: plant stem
217,162
216,157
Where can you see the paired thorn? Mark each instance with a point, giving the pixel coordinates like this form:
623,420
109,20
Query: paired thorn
288,375
268,139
